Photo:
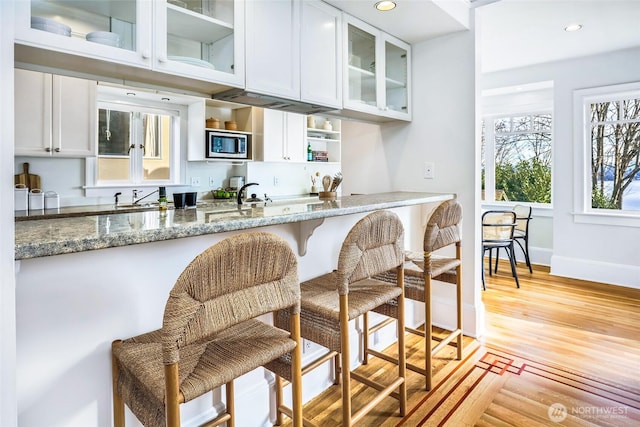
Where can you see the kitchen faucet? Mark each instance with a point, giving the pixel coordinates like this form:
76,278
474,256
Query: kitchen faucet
242,189
116,197
135,194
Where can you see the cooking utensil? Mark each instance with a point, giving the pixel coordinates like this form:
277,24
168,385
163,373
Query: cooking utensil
326,182
337,179
27,179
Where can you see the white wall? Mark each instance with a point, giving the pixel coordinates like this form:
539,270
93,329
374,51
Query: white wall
390,157
600,253
8,407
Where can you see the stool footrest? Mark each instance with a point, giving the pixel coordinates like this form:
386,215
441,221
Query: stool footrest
414,368
217,421
387,391
288,412
446,340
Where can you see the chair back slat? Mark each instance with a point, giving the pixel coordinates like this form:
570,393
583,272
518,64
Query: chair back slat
523,215
374,245
237,279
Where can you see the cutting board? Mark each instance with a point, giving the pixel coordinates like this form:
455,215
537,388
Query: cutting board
27,179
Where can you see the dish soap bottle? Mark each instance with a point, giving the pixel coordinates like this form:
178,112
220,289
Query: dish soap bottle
309,152
162,198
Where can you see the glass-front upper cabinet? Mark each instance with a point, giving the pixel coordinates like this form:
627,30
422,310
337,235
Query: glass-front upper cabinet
200,39
378,71
116,30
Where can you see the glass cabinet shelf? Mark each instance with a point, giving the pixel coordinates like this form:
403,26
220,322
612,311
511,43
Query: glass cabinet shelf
195,26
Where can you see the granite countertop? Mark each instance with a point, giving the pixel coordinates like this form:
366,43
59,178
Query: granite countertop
67,234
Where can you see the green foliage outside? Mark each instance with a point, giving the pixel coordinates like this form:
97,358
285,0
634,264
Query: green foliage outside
601,200
526,181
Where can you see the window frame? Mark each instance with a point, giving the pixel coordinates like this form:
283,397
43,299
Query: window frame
179,112
490,160
582,100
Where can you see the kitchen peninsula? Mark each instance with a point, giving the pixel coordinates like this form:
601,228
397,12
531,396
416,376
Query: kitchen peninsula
61,235
84,281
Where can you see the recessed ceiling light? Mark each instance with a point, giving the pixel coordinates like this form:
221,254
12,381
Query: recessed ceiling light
385,5
572,27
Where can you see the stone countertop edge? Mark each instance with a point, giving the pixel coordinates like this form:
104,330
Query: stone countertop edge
48,237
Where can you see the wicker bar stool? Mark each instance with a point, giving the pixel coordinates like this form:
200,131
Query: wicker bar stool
330,301
443,230
209,334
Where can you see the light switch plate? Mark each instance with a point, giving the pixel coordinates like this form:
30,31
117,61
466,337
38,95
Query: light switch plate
429,170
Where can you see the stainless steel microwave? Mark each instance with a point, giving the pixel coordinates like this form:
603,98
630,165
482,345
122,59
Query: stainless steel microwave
226,145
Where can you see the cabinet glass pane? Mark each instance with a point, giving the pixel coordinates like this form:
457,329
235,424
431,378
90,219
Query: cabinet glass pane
396,78
200,32
362,66
115,19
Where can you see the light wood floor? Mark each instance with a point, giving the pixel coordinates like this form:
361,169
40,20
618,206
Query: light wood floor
590,327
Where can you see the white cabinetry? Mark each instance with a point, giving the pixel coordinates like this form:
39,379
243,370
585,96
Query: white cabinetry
321,54
54,115
293,50
377,72
202,40
282,136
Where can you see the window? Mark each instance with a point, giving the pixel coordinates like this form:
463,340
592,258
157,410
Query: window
139,134
608,142
135,144
615,147
516,158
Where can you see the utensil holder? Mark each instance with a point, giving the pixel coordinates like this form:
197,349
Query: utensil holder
327,195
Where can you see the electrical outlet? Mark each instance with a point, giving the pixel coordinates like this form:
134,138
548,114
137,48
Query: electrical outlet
195,181
275,181
306,345
212,182
429,170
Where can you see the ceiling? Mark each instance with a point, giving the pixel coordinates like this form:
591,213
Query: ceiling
512,33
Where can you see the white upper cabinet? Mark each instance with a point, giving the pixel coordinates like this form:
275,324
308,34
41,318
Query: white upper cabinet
273,47
293,50
320,51
377,72
54,115
200,39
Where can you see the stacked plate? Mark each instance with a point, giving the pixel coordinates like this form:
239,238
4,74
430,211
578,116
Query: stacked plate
46,24
191,61
104,37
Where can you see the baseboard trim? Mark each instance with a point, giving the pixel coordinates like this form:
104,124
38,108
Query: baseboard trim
596,271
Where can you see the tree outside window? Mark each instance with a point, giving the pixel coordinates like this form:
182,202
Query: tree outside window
615,154
519,165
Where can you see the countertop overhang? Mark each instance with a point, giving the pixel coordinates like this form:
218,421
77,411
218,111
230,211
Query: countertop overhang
56,236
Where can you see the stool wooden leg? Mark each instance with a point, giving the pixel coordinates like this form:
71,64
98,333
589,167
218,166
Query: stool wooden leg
296,374
118,404
346,366
230,403
365,339
402,360
172,404
459,299
428,357
279,400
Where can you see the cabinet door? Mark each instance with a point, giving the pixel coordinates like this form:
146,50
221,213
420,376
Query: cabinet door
397,77
32,113
362,60
128,23
74,113
273,142
283,137
201,39
273,47
296,148
320,54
